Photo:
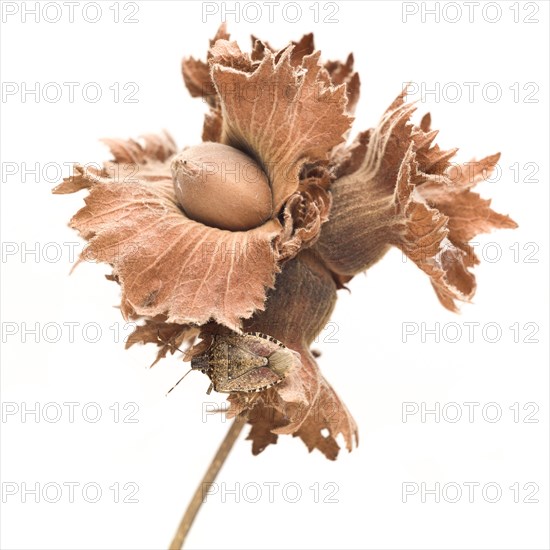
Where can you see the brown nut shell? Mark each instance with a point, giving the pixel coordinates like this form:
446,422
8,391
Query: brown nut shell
222,187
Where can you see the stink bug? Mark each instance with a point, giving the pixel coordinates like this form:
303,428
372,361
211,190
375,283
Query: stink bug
249,362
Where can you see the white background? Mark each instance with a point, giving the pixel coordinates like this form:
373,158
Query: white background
166,452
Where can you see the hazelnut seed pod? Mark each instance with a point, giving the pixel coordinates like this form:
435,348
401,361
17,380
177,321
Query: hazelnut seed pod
222,187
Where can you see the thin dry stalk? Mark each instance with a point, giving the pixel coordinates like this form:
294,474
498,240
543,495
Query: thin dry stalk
209,477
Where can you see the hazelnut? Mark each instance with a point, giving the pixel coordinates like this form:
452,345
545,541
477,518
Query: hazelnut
222,187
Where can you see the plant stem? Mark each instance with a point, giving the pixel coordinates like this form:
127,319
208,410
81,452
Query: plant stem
209,477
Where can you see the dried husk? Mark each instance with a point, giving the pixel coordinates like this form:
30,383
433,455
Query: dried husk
167,264
304,404
395,190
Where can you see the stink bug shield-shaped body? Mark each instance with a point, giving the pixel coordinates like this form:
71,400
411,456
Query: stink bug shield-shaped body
249,362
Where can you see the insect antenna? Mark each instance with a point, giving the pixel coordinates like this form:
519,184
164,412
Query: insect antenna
191,369
174,348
